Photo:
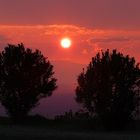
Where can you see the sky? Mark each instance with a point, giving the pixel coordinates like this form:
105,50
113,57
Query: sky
92,26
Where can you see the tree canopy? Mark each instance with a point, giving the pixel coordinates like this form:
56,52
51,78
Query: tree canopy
26,76
109,87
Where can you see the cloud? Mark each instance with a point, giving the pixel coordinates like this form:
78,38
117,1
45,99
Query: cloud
109,40
85,41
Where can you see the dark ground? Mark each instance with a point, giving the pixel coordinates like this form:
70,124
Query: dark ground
35,133
63,130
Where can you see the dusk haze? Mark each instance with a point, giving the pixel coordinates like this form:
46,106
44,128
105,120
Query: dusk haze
70,34
92,25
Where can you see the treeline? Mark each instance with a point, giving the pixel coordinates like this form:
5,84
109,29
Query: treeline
108,89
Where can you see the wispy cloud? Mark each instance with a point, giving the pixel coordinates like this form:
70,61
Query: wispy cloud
110,40
85,41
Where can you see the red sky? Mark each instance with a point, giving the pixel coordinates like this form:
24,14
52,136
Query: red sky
92,25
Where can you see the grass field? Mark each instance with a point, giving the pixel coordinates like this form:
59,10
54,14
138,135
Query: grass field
12,132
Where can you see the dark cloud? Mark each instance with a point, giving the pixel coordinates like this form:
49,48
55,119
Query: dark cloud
109,40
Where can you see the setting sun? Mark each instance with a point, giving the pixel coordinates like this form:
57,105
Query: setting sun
65,42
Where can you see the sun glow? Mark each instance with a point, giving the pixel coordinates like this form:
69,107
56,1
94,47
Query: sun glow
65,43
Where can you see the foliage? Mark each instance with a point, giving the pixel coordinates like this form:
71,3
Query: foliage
25,78
110,87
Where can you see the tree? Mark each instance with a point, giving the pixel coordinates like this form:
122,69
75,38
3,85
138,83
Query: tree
25,78
110,87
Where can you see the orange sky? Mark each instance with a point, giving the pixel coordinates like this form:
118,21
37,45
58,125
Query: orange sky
86,42
68,63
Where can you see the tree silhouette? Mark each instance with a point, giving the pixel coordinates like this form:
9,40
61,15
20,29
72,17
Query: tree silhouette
25,78
110,87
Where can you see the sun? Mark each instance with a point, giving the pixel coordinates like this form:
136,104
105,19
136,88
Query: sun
66,43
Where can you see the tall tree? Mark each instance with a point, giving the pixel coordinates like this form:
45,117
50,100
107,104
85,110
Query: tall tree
110,87
26,76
